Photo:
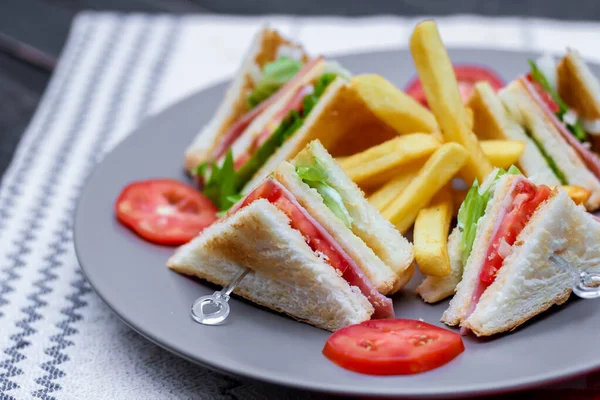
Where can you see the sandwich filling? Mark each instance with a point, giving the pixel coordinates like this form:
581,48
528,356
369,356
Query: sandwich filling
316,176
236,130
226,182
563,119
518,206
473,208
320,241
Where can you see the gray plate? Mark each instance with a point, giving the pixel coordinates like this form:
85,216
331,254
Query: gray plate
130,276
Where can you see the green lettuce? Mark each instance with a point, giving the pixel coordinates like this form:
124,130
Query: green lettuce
316,177
221,186
225,183
576,128
274,75
473,208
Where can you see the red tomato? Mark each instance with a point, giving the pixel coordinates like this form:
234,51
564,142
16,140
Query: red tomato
164,211
298,220
392,347
466,76
526,201
546,97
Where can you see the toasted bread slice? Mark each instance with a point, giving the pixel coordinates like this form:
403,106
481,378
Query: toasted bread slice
368,224
460,303
335,117
525,111
387,274
528,282
265,47
287,276
578,86
492,121
437,288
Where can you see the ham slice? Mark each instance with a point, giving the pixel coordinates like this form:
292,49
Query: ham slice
590,159
236,130
517,208
320,241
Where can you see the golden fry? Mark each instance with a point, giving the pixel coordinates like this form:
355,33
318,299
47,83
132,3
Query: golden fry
470,118
577,193
443,96
502,153
379,160
397,109
437,172
388,192
430,235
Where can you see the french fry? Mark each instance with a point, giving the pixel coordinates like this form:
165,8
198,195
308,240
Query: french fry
443,96
470,117
437,172
388,192
577,193
372,163
430,235
502,153
397,109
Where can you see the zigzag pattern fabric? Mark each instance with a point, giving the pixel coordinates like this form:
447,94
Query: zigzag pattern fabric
57,339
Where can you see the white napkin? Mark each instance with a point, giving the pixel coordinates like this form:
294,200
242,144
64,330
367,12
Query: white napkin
57,338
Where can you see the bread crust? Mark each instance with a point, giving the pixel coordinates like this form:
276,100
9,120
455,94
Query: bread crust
461,302
389,245
264,49
534,119
528,283
578,86
287,276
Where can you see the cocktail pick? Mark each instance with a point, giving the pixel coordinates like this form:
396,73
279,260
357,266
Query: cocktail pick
213,309
585,284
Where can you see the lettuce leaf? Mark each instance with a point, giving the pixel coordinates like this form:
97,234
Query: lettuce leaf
316,177
473,208
221,184
225,183
576,128
275,75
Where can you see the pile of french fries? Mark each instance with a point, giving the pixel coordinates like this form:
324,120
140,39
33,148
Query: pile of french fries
409,178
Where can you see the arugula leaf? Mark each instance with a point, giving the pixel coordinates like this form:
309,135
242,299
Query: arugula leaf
275,75
221,183
576,128
316,177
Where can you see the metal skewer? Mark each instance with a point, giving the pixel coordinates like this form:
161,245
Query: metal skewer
213,309
585,284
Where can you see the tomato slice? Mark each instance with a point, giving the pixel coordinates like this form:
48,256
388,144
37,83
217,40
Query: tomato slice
164,211
526,201
466,76
320,241
392,347
545,96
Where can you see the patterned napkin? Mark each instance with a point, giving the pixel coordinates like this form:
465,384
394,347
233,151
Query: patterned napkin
57,338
